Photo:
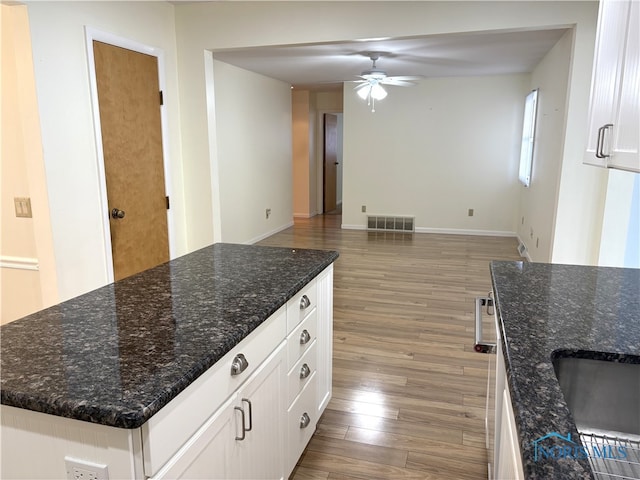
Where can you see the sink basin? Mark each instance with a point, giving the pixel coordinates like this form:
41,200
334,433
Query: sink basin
602,395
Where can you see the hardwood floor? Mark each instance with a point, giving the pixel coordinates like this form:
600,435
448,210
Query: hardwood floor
408,389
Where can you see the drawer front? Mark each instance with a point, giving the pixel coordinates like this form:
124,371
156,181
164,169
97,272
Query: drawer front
301,338
301,373
297,435
301,304
175,423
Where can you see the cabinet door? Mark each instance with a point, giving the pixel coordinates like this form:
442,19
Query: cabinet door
260,455
614,115
324,349
625,151
209,454
510,462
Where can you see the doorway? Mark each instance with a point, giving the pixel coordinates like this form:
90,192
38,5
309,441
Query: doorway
128,101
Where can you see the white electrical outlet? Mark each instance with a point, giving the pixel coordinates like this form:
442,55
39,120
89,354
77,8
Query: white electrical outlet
84,470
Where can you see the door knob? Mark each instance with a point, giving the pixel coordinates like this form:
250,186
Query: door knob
117,213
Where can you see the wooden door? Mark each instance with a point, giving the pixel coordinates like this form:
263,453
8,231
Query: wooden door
129,103
330,161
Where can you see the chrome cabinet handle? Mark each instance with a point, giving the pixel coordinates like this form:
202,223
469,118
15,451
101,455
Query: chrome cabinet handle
305,371
239,364
250,415
480,346
116,213
243,424
600,142
305,420
304,337
304,302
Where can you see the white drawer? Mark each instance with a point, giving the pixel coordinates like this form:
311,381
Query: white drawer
301,373
296,309
175,423
298,341
297,436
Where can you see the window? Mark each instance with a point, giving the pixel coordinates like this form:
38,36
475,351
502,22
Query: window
528,136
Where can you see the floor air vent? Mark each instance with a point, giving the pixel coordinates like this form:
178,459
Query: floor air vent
390,224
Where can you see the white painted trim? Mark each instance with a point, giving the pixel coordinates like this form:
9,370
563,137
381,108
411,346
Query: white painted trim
19,263
214,164
444,231
92,34
456,231
268,234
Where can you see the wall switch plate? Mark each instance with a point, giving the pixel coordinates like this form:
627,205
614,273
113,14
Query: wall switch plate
364,209
470,213
84,470
23,207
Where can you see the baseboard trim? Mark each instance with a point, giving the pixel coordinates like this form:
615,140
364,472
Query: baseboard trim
19,263
460,231
445,231
268,234
303,215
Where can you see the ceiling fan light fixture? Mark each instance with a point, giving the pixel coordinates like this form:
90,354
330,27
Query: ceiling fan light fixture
377,92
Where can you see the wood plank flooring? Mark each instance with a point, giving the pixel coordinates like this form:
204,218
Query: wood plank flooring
408,389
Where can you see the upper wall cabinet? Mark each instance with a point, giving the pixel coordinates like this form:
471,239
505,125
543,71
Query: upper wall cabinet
614,117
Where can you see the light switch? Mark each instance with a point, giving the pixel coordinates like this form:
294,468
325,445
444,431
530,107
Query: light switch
23,207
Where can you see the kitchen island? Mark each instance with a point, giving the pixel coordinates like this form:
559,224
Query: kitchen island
546,312
115,362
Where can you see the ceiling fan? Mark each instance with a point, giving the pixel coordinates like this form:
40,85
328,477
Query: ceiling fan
370,86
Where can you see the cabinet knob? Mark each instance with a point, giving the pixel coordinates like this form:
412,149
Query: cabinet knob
305,420
304,337
304,302
239,364
305,371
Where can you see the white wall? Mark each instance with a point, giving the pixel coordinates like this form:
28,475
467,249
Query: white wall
301,152
538,202
252,152
434,151
62,80
27,260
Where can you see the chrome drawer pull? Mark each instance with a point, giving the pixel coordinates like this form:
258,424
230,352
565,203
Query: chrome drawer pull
304,420
243,426
239,364
250,415
304,337
305,371
304,302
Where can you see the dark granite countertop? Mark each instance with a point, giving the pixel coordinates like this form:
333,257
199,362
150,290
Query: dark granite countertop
547,311
117,355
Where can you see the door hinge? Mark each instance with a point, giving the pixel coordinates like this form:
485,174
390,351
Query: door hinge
167,197
161,98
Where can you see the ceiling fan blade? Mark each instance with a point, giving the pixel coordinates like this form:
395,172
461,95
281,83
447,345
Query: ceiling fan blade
398,83
406,77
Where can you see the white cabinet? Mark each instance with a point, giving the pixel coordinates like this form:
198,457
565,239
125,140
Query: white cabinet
260,453
209,454
244,438
614,116
507,462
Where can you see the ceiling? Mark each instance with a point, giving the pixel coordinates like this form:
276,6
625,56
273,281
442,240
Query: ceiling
327,65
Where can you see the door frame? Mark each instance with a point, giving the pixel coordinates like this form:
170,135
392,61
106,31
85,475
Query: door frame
319,154
92,34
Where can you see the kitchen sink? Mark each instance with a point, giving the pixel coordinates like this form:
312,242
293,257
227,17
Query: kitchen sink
601,394
604,399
